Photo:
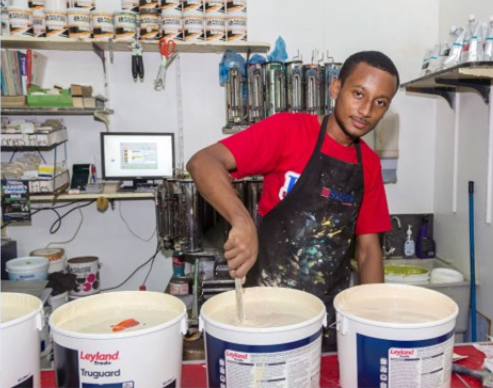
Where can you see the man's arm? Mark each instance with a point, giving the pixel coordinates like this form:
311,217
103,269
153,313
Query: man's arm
209,169
369,255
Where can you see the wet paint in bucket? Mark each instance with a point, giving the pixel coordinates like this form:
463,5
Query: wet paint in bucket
119,339
394,335
282,330
86,270
21,321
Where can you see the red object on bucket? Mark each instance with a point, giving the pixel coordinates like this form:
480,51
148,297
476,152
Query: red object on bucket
126,324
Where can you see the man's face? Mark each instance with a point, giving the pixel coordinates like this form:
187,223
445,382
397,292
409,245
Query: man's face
363,99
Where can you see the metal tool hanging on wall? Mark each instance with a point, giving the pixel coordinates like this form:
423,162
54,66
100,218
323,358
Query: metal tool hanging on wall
255,92
167,49
235,103
137,61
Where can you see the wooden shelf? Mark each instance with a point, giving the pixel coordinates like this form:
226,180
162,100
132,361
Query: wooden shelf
474,75
89,197
70,44
52,111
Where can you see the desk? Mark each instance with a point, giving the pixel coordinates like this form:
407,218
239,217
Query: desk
194,372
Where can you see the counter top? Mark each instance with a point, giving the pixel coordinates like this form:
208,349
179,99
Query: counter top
194,372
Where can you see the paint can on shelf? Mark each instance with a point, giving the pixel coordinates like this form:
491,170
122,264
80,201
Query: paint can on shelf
36,4
171,8
171,27
56,19
20,21
86,270
192,8
149,24
236,8
193,29
148,4
79,23
87,4
39,23
215,29
130,5
125,26
214,8
103,27
28,268
236,28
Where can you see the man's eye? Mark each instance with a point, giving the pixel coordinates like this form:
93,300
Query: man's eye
358,94
381,103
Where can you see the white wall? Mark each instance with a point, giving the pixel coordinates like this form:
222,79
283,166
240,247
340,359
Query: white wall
471,116
402,29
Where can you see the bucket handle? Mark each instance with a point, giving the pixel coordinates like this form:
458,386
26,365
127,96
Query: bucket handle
201,324
184,325
40,321
340,325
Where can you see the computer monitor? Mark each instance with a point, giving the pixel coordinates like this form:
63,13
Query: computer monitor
137,156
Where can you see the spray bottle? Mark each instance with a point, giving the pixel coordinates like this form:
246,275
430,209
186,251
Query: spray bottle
409,244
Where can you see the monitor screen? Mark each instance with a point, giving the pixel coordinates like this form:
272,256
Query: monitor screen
137,155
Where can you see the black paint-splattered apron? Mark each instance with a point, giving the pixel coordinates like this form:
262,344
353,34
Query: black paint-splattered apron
304,241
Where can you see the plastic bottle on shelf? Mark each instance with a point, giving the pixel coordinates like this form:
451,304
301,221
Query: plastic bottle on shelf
409,247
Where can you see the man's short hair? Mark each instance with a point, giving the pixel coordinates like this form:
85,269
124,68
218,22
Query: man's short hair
373,58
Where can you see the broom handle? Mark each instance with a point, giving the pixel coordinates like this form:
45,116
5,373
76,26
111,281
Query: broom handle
472,261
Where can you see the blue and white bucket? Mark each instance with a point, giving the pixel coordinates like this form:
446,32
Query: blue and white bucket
21,321
28,268
281,331
394,335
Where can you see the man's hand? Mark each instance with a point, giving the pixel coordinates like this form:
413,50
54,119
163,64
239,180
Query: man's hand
241,249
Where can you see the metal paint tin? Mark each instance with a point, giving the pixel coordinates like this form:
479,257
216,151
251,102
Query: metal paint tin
102,25
149,24
256,110
236,28
215,29
125,26
171,28
214,8
294,86
171,8
87,4
192,8
193,29
275,92
20,21
148,4
39,23
236,8
79,23
179,286
311,83
36,4
130,5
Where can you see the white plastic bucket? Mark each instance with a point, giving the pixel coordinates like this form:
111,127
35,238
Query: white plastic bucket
88,351
282,330
21,320
86,270
394,335
28,268
56,257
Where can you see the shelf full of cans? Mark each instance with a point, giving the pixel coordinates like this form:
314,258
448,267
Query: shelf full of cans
274,87
181,20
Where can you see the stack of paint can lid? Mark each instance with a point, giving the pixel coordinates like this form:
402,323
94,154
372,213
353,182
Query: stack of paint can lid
187,20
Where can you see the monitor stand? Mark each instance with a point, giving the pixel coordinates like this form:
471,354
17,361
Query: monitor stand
137,185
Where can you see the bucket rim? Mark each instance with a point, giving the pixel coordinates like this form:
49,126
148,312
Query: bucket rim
36,310
393,325
181,315
18,264
321,316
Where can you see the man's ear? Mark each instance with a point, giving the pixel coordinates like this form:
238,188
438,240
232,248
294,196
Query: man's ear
335,88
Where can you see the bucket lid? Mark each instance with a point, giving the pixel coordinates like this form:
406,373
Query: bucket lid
17,307
50,253
446,275
27,264
396,305
102,316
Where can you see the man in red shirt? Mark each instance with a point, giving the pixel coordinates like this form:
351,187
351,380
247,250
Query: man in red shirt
322,189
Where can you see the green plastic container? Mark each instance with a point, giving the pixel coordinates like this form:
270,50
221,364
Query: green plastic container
48,100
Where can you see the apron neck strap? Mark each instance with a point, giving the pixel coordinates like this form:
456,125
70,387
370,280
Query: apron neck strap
321,137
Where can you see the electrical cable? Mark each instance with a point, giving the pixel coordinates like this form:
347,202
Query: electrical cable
130,230
151,259
55,227
74,236
150,269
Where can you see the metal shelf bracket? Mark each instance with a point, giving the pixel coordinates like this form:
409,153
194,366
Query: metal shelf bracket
481,85
447,93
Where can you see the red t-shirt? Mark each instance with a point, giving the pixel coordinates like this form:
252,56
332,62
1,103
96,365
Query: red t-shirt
279,148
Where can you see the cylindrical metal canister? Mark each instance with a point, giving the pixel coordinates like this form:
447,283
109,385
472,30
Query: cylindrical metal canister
275,92
294,86
255,92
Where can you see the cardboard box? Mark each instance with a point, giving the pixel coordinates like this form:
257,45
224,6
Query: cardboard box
78,102
13,101
81,90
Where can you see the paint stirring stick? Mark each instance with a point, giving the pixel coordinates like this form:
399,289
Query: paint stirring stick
239,300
